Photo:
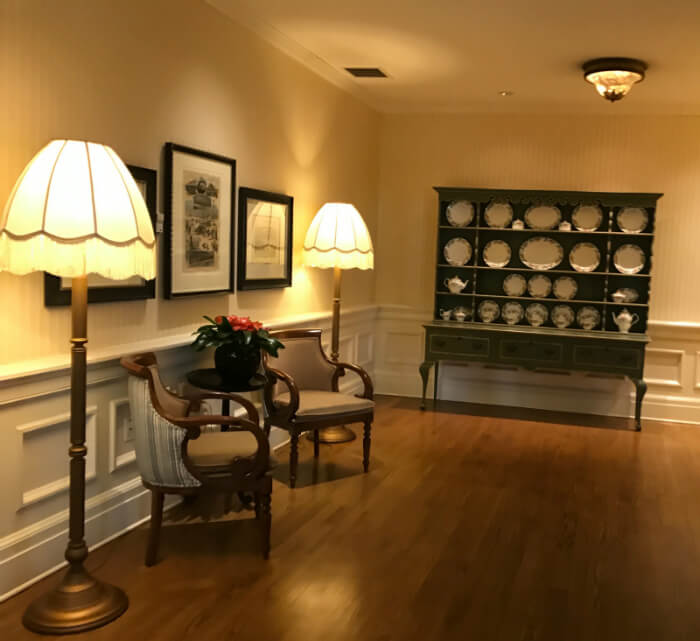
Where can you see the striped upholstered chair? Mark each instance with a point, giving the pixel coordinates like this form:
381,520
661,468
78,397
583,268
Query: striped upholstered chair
182,454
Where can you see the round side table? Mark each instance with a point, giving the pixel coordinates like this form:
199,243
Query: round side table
210,380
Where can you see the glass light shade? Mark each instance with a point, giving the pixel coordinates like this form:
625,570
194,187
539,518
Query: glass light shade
338,237
614,84
76,210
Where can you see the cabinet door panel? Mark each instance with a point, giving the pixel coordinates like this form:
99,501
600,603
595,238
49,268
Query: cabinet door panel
454,345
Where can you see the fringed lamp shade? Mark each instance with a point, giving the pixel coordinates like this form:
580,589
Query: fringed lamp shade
76,210
338,237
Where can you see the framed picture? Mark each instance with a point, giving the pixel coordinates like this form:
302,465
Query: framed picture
264,239
199,230
103,290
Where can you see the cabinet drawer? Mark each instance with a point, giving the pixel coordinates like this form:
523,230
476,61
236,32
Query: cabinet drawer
616,357
528,350
459,345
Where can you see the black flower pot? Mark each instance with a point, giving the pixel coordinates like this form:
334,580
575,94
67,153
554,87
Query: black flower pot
235,365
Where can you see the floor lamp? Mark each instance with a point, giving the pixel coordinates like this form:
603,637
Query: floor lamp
76,210
338,238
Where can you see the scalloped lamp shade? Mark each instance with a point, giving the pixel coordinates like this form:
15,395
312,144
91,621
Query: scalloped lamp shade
338,237
76,210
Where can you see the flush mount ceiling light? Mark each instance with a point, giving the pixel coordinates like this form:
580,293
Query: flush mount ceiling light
614,77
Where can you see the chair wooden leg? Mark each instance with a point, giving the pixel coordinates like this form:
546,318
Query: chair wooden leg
366,442
266,521
293,459
317,440
157,498
267,427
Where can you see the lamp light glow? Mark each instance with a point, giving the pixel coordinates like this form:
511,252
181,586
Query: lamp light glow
77,210
338,237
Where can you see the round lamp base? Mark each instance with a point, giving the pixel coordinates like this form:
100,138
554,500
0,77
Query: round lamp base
79,603
338,434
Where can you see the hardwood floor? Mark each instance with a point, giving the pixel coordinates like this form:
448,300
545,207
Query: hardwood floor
467,527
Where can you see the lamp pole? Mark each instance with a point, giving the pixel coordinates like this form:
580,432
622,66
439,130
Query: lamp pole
80,602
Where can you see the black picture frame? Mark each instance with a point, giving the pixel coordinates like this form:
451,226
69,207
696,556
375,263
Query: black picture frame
170,149
245,282
55,295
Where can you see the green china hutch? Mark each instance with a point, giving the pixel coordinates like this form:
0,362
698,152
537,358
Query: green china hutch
548,280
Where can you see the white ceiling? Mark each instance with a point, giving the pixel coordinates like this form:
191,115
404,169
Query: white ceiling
456,55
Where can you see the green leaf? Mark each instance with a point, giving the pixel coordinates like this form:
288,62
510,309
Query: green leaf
210,319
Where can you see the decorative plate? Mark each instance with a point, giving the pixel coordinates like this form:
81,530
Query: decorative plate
565,288
587,217
457,251
514,285
489,311
512,313
584,257
498,214
588,317
562,316
497,253
629,295
542,217
536,314
632,220
460,213
541,253
539,286
629,259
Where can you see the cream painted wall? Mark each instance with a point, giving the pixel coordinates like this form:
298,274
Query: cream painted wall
135,74
654,154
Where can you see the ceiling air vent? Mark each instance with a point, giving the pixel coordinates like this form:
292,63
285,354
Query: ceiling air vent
365,72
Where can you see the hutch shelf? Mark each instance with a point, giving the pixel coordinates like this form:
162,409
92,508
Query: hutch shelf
542,280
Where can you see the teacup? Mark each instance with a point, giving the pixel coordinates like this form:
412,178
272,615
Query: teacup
564,225
460,316
518,224
446,314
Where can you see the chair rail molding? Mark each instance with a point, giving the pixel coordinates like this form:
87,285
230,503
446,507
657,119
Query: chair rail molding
34,413
672,371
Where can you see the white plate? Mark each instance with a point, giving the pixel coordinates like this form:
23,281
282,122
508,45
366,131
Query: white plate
587,217
542,217
539,286
588,317
498,214
541,252
512,313
489,311
460,213
497,253
536,314
457,251
565,288
629,259
584,257
562,316
514,285
632,220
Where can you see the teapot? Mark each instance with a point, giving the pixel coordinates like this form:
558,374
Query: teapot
455,284
624,320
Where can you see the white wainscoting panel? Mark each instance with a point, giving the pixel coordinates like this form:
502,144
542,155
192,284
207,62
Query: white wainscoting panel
34,437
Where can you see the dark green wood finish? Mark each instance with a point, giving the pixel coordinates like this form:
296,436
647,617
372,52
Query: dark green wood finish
601,350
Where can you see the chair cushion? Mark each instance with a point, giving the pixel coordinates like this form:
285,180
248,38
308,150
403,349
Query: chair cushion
319,403
220,448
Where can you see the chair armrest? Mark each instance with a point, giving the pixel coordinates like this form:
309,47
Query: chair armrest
261,462
196,399
273,375
366,380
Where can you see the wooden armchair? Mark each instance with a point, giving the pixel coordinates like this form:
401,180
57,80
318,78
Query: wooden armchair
302,393
182,454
